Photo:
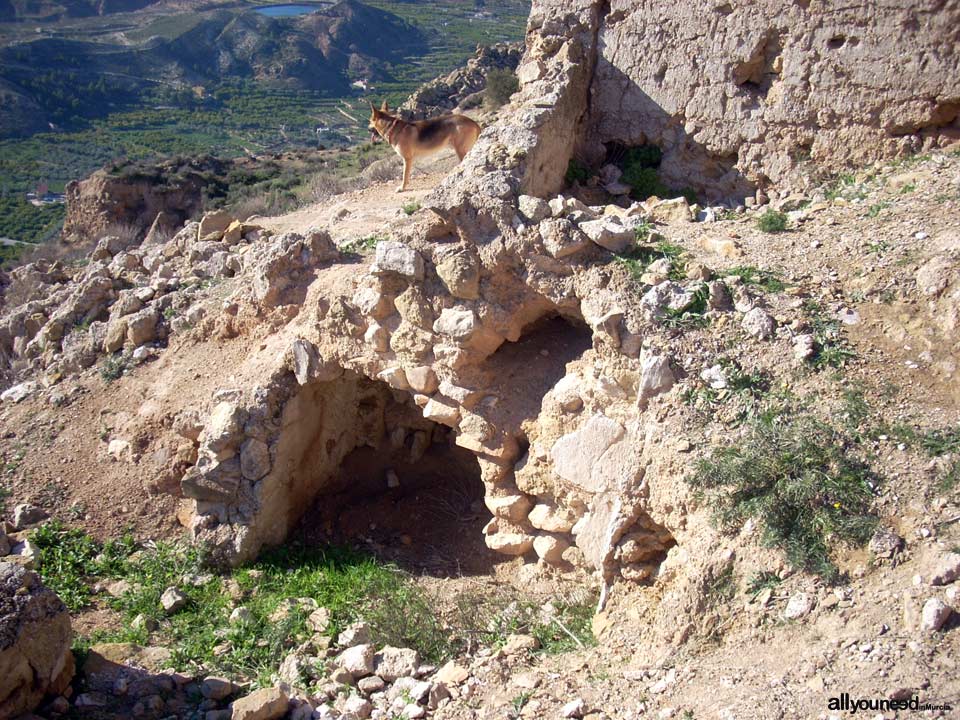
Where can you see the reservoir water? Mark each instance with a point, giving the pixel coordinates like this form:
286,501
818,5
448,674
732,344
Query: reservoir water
287,10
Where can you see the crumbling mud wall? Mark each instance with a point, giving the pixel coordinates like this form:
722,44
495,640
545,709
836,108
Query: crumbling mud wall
742,94
738,95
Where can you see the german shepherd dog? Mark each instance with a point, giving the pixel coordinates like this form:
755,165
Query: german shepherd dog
410,140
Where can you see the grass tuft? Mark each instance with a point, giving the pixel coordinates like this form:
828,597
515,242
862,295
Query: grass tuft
765,279
772,221
794,475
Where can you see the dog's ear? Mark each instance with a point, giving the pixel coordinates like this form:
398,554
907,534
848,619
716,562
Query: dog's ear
384,107
373,108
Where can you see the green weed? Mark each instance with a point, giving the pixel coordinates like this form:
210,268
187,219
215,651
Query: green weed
561,625
760,581
350,585
577,172
637,258
772,221
361,245
765,279
501,84
410,207
833,349
691,315
796,476
113,367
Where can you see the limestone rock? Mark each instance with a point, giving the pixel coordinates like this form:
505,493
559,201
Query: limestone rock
509,543
35,638
254,459
934,615
534,209
947,570
608,234
358,660
397,258
550,548
574,455
19,392
461,275
392,663
423,380
265,704
758,323
562,238
25,515
799,606
142,327
172,600
656,377
671,211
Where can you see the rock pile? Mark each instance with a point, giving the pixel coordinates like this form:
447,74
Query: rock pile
463,87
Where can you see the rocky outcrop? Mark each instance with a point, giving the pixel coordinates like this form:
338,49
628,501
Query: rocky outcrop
35,637
464,86
160,197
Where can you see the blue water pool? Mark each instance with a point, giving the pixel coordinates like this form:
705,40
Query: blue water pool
286,10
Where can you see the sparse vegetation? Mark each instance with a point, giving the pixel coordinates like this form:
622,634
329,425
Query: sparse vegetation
350,585
113,367
797,477
501,84
651,247
559,625
772,221
832,348
760,581
577,172
410,208
691,315
765,279
361,245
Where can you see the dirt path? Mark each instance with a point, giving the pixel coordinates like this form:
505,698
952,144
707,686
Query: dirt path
365,212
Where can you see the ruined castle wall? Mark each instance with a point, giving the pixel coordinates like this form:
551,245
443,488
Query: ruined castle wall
742,94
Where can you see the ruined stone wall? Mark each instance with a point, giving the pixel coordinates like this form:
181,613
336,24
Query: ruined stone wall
741,94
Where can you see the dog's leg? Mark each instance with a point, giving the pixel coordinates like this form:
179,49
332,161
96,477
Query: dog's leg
407,166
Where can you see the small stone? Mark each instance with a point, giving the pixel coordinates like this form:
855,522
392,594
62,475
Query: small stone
715,377
356,634
452,674
265,704
656,377
413,711
394,257
935,613
758,323
534,209
886,543
358,707
799,606
216,688
241,614
804,347
372,684
358,660
392,663
25,515
517,644
573,709
948,570
172,600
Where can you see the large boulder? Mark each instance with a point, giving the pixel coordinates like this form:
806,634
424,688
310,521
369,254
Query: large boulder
35,635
